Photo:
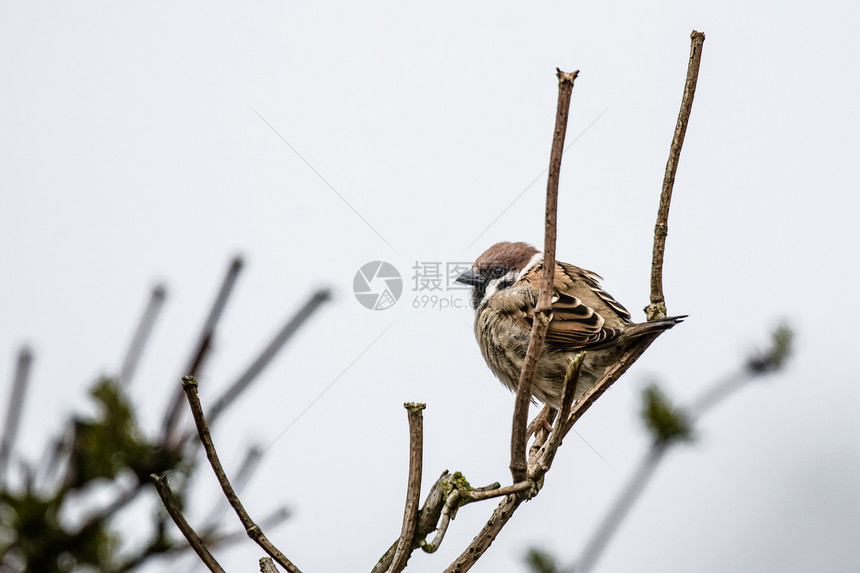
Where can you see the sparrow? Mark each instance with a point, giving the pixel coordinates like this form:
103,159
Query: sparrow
506,283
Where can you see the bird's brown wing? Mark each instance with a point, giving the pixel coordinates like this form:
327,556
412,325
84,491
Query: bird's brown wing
583,314
572,275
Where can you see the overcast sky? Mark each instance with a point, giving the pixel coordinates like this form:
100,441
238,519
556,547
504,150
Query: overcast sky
151,142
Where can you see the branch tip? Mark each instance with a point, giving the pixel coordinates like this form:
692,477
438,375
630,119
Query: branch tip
565,77
413,488
661,228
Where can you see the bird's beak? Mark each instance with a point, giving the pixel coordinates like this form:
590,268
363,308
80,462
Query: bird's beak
471,278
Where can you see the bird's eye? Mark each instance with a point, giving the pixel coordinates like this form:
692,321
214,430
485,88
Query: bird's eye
498,271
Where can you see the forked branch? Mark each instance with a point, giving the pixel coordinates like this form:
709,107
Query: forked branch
189,384
543,450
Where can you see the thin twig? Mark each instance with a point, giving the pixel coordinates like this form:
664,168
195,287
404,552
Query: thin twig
16,406
571,378
657,309
141,334
477,495
413,490
246,469
268,353
189,385
267,566
447,515
176,513
204,343
543,311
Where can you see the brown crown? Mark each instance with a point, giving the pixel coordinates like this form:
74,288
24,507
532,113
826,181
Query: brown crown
507,255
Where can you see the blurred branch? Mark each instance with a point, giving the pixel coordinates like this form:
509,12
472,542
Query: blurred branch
204,343
271,520
16,406
657,309
413,490
86,466
670,426
121,500
616,514
541,561
543,310
141,334
189,385
166,547
176,513
269,352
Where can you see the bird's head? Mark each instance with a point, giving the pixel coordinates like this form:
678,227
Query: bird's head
497,269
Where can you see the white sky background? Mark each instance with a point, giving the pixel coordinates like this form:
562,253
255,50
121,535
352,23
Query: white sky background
131,153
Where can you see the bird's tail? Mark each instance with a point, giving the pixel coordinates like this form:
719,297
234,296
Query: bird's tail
653,326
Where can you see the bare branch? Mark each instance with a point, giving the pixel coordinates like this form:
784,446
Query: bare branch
527,474
13,413
543,311
176,513
267,566
141,334
487,535
657,309
204,343
413,490
243,474
189,385
428,518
